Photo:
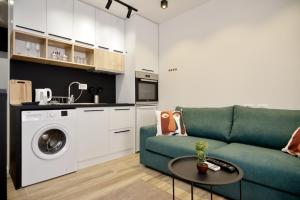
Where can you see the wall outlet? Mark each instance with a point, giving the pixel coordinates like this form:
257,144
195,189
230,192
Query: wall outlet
82,87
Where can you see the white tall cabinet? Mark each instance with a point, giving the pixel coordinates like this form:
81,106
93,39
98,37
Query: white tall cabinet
146,49
141,41
84,23
60,18
30,15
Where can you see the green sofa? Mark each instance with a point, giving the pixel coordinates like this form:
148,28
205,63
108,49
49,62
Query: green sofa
249,137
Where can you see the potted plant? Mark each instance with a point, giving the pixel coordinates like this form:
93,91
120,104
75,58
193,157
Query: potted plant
201,151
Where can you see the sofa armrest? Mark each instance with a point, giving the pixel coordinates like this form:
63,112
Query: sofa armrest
146,132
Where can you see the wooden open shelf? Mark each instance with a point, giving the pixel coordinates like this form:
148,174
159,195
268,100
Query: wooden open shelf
64,54
28,45
59,51
83,55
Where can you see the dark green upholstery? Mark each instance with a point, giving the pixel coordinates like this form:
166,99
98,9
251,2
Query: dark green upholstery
265,166
213,123
264,127
269,173
175,146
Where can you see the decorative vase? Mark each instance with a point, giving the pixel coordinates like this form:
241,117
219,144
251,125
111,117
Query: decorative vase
202,168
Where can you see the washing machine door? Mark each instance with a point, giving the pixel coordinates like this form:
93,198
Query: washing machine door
51,142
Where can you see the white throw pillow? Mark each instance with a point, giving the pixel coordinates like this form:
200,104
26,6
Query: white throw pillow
293,146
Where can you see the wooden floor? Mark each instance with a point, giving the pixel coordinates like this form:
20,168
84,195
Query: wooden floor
97,181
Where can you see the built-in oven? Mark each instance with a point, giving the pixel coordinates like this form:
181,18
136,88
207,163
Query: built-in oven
146,87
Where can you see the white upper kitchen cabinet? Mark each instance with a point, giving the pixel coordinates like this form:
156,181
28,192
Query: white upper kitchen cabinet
103,29
110,31
30,15
84,23
118,34
146,45
60,18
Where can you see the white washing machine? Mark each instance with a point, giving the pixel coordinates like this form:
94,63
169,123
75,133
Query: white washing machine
48,145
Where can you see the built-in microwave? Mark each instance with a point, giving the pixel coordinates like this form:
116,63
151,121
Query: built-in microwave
146,87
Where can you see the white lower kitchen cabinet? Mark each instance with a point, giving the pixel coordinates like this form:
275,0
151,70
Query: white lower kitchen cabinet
121,140
93,134
145,116
104,133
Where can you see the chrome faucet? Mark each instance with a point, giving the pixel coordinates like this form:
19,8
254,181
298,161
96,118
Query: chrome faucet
71,97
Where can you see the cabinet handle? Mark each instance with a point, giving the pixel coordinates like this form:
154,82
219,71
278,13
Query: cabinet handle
125,131
30,29
102,47
84,43
117,51
59,36
148,70
122,109
93,110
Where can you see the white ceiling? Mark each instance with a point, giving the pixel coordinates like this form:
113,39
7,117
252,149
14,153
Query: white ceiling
149,8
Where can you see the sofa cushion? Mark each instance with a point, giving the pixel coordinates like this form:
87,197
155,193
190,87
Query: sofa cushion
269,167
264,127
213,123
172,146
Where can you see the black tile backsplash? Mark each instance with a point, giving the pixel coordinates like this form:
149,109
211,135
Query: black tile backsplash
58,79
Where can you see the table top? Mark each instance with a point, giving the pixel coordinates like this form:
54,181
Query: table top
186,168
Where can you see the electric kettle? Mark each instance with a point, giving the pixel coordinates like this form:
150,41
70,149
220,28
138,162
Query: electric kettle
43,96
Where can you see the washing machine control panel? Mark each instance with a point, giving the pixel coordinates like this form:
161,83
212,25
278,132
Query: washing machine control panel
39,115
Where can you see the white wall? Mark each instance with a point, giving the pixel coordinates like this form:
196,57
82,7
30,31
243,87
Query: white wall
232,52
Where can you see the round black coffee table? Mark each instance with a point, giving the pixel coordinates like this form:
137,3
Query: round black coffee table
185,168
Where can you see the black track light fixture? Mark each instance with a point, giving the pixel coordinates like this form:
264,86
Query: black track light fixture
164,4
130,8
108,4
129,13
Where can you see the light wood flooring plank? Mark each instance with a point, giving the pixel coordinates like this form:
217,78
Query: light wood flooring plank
97,181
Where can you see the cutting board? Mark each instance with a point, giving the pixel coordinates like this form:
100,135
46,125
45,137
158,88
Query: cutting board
20,91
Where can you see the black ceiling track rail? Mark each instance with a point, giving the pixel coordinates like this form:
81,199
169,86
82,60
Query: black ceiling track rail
130,8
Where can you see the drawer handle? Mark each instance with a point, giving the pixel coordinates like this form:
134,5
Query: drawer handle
84,43
93,110
122,109
147,70
66,38
102,47
125,131
117,51
30,29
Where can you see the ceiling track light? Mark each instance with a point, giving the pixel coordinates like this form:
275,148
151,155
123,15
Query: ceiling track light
164,4
130,8
129,13
108,4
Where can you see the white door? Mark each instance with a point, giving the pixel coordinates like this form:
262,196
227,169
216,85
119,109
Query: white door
30,15
84,23
118,34
93,136
146,58
60,18
145,116
103,29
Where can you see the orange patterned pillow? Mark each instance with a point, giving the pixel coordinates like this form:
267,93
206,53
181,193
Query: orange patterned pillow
293,147
170,123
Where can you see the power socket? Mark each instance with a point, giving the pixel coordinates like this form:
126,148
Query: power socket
82,86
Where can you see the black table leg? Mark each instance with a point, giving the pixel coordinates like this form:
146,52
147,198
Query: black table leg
240,189
173,187
211,193
192,190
